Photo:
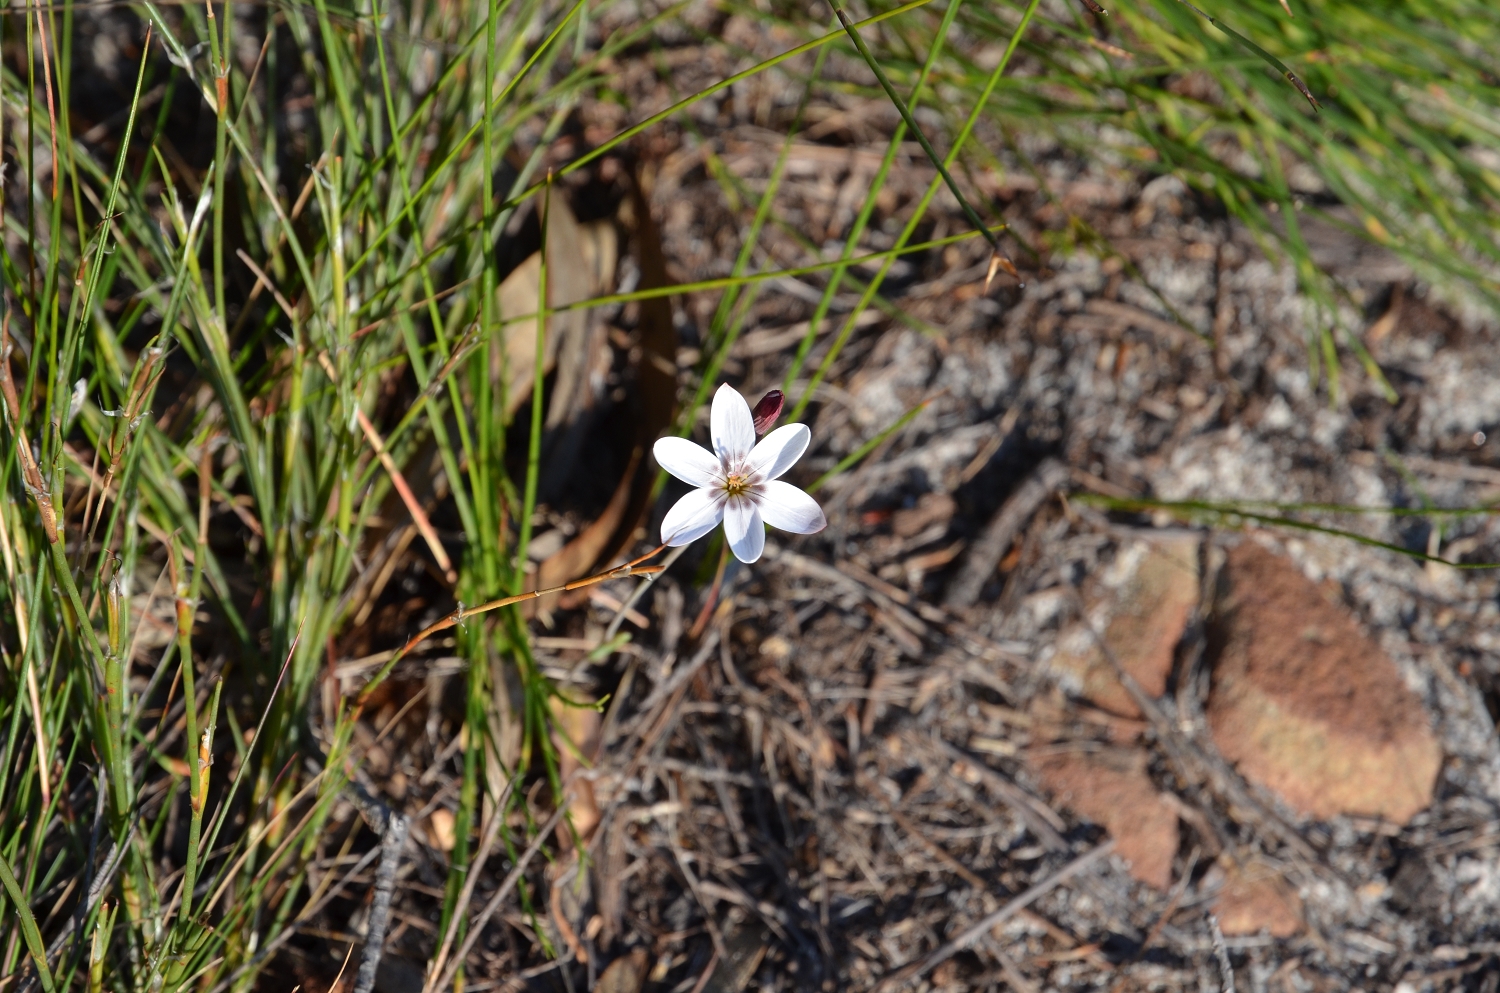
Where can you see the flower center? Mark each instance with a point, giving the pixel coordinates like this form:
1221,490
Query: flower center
736,484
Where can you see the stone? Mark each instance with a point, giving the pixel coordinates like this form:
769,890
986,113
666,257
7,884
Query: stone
1306,704
1111,787
1140,606
625,974
441,832
1255,898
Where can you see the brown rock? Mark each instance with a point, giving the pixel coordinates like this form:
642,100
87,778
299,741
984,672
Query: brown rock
1256,898
1306,704
440,830
1140,606
1111,787
625,974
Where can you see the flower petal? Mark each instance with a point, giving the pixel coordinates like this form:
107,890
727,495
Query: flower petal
743,529
778,451
692,517
693,464
731,425
788,508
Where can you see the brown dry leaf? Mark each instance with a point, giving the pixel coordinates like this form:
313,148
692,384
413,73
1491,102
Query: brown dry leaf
616,527
590,547
609,861
825,754
581,262
575,734
931,508
568,897
656,375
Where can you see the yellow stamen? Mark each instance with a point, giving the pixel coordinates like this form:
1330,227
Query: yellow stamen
736,484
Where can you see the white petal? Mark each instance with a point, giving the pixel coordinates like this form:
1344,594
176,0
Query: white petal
744,529
732,426
693,464
692,517
788,508
779,451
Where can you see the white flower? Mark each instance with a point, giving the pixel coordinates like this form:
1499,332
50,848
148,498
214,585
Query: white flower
737,482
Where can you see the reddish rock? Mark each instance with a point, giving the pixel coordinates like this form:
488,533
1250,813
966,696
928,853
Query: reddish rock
1256,898
1140,607
1111,787
1307,705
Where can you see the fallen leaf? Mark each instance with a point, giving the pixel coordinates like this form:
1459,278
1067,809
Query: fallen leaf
587,549
575,734
581,260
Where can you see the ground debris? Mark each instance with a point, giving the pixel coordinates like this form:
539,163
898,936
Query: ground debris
832,772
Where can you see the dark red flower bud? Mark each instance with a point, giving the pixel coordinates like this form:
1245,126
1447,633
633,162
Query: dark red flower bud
766,412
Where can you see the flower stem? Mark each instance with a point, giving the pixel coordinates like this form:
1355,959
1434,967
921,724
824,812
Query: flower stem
712,599
631,568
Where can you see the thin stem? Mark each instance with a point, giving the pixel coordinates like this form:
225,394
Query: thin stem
538,371
911,124
917,214
872,196
606,147
723,282
28,925
631,568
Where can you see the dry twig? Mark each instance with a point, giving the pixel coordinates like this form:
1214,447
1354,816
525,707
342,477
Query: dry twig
984,554
981,927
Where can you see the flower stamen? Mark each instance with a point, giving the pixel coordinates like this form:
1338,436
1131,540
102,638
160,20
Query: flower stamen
736,484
